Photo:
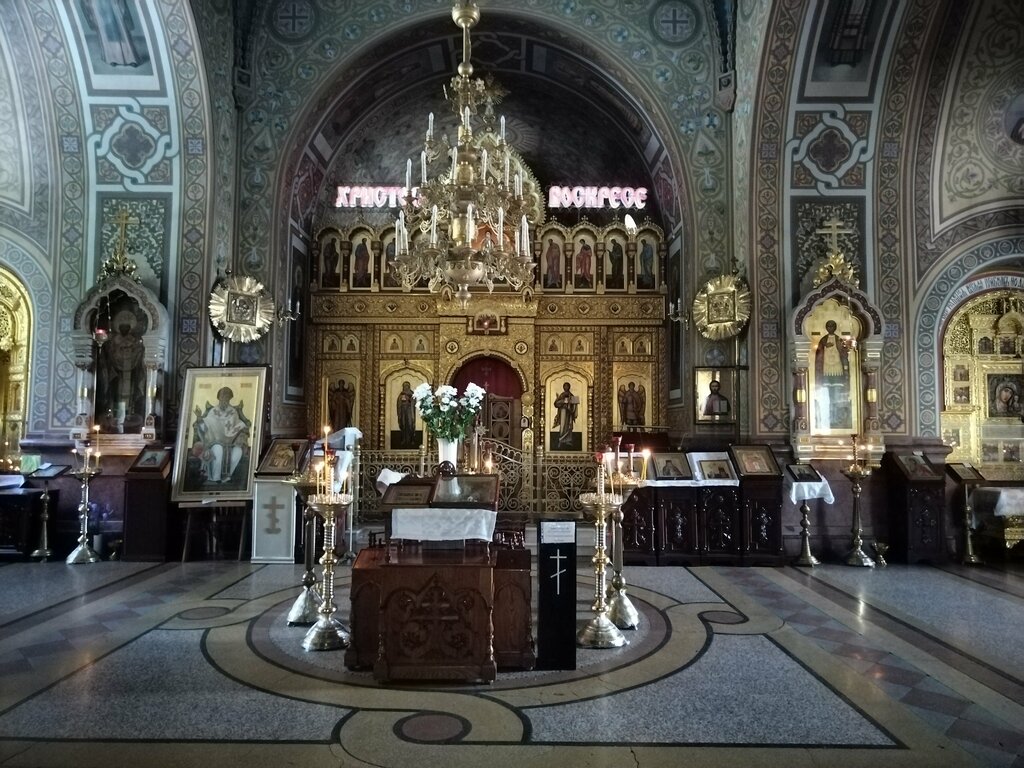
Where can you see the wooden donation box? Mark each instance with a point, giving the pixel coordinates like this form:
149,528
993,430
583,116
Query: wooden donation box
444,603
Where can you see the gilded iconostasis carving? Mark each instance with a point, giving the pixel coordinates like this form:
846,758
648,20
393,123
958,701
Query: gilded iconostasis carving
983,383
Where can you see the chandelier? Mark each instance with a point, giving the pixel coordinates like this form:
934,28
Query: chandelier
468,225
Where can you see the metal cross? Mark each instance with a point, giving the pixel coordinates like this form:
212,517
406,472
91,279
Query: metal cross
832,229
559,570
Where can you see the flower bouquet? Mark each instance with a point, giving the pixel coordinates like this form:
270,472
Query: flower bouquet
445,412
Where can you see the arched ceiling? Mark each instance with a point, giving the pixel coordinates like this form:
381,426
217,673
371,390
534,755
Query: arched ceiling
571,121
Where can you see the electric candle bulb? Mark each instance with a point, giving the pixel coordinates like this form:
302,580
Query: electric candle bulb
483,166
408,176
423,169
430,125
501,122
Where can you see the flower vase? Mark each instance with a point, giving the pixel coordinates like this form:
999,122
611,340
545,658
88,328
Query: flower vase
447,450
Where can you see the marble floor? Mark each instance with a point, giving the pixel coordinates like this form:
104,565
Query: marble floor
182,664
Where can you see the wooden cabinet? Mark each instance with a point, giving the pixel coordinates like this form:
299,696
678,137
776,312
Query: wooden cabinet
917,502
701,524
761,499
429,614
20,510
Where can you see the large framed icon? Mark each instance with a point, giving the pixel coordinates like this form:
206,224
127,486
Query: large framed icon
220,433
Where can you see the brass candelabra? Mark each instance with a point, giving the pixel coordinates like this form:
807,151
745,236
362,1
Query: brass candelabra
856,472
305,609
328,634
83,553
600,631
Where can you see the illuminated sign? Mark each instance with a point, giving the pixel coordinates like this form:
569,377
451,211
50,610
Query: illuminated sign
383,196
597,197
370,196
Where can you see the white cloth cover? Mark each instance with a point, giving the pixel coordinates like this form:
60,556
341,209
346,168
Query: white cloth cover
1011,502
442,524
386,478
809,490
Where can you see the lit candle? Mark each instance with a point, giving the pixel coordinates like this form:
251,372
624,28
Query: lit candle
646,453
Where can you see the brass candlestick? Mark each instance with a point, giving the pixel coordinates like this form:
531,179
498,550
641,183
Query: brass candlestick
856,473
620,608
600,632
806,559
43,551
304,610
969,558
328,634
83,553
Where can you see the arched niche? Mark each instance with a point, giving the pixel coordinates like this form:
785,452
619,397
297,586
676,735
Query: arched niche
836,338
15,347
120,335
983,383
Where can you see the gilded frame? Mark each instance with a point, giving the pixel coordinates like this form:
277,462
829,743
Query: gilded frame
754,460
279,458
671,466
200,464
706,412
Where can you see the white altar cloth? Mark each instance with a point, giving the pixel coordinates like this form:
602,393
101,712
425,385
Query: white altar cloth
1011,502
442,523
807,489
689,483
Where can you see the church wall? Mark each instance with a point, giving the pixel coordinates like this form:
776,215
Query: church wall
104,127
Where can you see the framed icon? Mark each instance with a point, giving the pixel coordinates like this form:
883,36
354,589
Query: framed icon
715,395
284,456
151,460
965,473
803,473
221,424
754,460
671,466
